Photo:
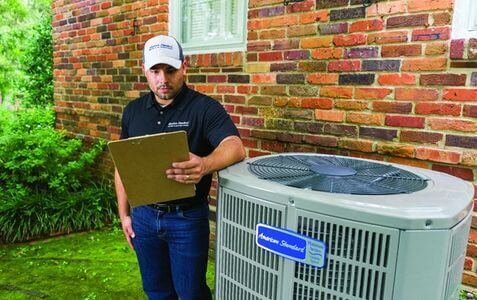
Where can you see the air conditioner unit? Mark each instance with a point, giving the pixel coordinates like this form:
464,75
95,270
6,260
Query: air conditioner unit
388,231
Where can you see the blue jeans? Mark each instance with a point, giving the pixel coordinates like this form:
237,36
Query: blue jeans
172,251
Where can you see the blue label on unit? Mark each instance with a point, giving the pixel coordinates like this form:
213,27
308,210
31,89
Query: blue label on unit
291,245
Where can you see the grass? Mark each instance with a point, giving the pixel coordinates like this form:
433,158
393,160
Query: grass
92,265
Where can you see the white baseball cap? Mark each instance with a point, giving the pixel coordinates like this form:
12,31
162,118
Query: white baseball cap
162,49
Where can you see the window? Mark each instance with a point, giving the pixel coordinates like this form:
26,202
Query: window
464,24
203,26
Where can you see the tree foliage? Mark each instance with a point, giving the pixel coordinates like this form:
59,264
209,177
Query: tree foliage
25,50
37,66
12,31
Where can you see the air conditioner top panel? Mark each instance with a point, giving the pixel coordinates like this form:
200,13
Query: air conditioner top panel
405,197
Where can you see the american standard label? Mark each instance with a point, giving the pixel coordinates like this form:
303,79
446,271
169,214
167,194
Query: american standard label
178,124
291,245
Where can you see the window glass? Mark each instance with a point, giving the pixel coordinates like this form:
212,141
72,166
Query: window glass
208,25
464,23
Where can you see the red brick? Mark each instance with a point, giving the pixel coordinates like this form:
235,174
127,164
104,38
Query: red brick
302,30
457,49
252,121
466,174
301,6
316,42
392,107
387,37
401,50
460,94
372,93
273,146
441,19
473,236
367,25
264,78
408,162
450,109
393,149
470,111
469,263
357,145
387,8
423,5
289,137
205,89
344,66
257,24
453,124
437,48
314,16
224,89
397,79
322,103
349,40
246,110
430,34
424,64
408,21
322,78
216,78
325,141
329,115
365,118
327,53
405,121
286,44
234,99
263,134
469,158
271,34
416,94
260,100
421,137
472,250
259,46
351,104
249,143
273,90
270,56
450,157
336,92
255,153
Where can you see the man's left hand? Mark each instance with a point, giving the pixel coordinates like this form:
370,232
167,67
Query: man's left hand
190,171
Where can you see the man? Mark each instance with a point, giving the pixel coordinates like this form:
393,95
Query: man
171,239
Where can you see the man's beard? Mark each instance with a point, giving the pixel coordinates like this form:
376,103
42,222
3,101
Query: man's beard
164,96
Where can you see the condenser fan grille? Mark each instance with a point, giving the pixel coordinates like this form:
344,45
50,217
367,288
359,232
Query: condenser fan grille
337,175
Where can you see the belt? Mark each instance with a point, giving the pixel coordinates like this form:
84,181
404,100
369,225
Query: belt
167,208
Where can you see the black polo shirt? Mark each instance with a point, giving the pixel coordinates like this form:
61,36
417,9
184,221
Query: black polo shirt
204,119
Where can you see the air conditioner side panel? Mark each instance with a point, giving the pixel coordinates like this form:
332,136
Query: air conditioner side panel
422,264
245,271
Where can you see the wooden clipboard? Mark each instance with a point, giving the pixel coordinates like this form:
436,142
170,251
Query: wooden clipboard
142,163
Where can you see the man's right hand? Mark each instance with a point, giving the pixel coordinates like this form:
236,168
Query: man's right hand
126,223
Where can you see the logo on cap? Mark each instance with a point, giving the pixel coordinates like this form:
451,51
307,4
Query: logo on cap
163,46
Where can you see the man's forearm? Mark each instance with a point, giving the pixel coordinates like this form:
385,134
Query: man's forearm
228,152
123,206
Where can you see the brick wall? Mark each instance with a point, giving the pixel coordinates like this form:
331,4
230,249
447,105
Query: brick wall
384,82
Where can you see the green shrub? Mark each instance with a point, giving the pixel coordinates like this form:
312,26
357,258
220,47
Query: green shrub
46,185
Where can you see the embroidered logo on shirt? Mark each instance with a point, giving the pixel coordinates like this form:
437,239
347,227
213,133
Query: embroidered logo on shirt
178,124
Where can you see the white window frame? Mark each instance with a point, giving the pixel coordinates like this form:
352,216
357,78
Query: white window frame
464,23
215,46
